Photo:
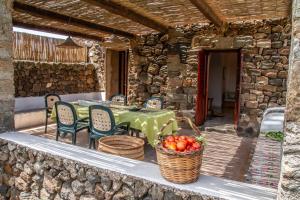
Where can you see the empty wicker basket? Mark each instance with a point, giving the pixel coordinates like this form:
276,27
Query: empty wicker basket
122,145
180,167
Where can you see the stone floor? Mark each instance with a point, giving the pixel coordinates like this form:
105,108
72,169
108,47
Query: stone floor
226,155
266,163
221,122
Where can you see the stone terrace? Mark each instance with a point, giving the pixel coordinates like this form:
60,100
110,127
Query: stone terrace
226,155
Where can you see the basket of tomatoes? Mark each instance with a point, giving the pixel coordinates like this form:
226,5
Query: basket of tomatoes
180,156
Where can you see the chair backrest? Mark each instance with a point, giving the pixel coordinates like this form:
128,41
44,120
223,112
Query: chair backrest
154,103
65,114
119,99
101,119
50,100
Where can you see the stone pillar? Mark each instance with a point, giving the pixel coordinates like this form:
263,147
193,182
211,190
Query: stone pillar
97,55
6,68
289,186
177,70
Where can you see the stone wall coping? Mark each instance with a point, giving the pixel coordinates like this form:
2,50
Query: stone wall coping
206,185
279,109
27,104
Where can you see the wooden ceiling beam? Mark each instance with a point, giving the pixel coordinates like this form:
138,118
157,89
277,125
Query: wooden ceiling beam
49,15
208,12
56,31
129,13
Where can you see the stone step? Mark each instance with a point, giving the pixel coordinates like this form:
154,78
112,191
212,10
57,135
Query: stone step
226,130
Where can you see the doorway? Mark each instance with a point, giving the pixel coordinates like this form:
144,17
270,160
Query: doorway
116,72
218,86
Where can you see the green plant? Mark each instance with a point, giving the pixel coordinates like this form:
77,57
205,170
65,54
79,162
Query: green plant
275,135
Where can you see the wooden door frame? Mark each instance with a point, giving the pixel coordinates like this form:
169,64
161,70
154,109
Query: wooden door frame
201,100
237,107
202,106
123,72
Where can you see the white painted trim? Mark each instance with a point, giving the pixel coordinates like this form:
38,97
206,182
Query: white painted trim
206,185
23,104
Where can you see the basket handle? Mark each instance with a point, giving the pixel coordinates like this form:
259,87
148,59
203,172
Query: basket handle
191,124
166,125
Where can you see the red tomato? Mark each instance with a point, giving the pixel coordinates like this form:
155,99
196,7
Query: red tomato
167,143
193,148
196,145
172,146
191,140
182,137
176,137
181,145
164,144
170,138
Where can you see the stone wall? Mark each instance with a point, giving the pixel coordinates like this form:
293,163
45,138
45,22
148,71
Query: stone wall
97,56
6,68
29,174
289,186
39,78
147,68
265,47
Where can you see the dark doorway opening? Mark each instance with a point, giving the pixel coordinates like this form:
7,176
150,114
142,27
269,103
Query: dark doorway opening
116,72
218,86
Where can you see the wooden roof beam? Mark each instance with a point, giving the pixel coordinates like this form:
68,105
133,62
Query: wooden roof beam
130,13
208,12
46,14
56,31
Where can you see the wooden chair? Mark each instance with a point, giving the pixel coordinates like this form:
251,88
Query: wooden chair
67,120
102,123
119,99
50,100
154,103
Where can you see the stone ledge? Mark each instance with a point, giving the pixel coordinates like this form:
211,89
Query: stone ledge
206,186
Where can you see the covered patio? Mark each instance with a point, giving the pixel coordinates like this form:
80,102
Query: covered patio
220,63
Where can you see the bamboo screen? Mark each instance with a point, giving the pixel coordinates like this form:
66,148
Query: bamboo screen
39,48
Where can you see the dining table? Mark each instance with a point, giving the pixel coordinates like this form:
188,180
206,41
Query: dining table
147,121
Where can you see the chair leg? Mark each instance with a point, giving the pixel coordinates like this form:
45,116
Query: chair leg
46,123
94,143
74,138
90,143
130,132
57,134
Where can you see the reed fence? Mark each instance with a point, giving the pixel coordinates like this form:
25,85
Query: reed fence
40,48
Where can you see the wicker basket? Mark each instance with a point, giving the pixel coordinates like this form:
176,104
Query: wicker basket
180,168
122,145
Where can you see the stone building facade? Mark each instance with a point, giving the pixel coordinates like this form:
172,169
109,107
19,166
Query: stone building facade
40,78
6,68
158,69
289,186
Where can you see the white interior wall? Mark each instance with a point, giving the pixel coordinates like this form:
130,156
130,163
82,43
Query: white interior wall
230,63
215,79
219,61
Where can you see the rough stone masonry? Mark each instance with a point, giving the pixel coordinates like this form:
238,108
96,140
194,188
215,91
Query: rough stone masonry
289,186
6,68
29,174
40,78
159,70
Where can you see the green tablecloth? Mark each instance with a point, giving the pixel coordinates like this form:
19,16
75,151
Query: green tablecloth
148,123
